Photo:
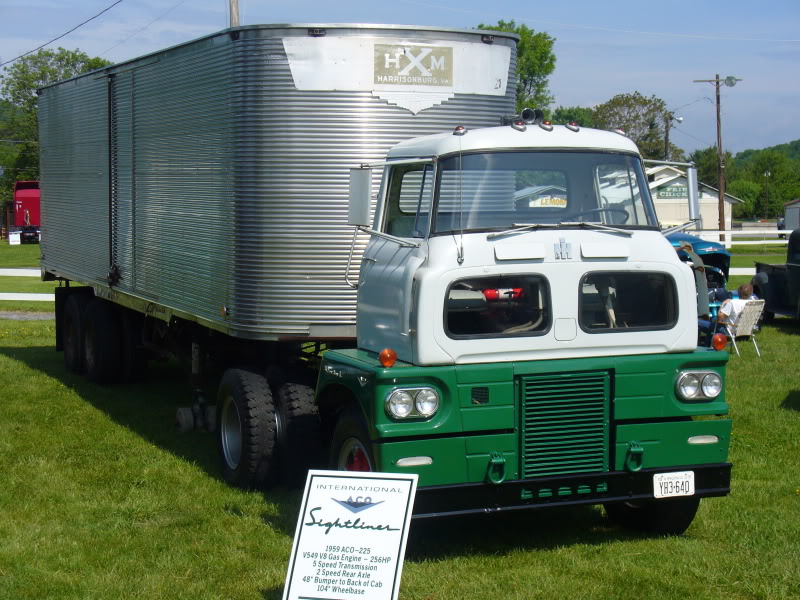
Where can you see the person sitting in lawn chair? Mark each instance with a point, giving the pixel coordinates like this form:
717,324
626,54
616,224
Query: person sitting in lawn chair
732,307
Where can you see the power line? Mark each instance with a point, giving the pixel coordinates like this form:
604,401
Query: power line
62,35
138,31
600,28
694,138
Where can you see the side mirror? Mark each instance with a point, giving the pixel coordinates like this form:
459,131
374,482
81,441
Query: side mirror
360,197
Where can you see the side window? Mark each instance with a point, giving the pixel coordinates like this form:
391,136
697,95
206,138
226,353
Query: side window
612,301
498,306
409,200
619,195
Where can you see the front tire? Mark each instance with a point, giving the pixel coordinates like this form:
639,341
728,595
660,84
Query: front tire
247,430
670,516
351,448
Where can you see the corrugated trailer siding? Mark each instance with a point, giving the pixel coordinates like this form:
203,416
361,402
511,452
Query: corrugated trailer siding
229,184
122,179
182,131
74,174
293,154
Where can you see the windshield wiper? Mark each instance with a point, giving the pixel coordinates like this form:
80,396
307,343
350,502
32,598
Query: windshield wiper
521,227
596,226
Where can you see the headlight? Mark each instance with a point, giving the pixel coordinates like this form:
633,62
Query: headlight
427,402
689,385
698,385
712,385
412,402
399,404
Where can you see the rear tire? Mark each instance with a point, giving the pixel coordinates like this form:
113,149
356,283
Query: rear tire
72,332
247,430
351,449
134,356
102,333
670,516
300,445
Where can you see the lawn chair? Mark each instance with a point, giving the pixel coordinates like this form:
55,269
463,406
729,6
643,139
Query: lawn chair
745,324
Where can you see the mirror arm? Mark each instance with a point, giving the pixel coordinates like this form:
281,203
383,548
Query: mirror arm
403,243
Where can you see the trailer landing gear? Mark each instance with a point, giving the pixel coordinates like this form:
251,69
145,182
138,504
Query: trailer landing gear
199,416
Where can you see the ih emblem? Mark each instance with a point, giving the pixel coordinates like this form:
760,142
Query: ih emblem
563,250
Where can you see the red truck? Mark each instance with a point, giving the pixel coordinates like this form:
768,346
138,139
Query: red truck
27,211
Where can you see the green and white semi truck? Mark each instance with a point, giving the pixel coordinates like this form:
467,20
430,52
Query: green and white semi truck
507,321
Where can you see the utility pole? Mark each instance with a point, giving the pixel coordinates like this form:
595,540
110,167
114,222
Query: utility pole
233,10
730,81
767,175
669,117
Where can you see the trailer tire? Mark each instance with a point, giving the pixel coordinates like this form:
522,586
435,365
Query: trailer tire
247,430
350,447
670,516
300,443
102,348
134,356
72,332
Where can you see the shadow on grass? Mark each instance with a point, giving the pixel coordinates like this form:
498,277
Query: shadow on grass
792,401
785,325
148,409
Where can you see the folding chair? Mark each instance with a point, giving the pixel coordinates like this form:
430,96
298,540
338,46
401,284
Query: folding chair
745,323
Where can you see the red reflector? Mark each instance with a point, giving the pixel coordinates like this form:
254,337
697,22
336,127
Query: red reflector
719,341
387,357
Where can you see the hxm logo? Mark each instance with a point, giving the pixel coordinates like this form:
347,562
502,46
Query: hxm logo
413,65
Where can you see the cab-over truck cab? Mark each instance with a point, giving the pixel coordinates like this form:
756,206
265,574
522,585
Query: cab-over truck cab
526,335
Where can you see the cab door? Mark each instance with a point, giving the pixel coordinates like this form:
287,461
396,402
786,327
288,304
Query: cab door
386,281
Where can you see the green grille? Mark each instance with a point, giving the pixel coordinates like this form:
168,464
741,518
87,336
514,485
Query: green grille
565,423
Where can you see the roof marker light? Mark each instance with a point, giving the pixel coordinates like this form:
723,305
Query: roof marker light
546,125
620,132
573,126
460,130
518,124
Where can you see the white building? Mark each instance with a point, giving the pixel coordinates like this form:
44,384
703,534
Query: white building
668,187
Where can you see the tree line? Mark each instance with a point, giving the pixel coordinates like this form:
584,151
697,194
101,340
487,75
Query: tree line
764,179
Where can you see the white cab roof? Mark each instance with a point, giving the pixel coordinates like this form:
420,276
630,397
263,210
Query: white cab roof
506,137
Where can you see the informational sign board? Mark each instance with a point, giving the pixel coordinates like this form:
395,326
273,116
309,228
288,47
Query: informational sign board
351,536
14,238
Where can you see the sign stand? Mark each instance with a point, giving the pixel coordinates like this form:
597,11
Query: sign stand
351,536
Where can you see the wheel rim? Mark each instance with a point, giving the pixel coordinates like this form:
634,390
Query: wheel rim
353,457
230,429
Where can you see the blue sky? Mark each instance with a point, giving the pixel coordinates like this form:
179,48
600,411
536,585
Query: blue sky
602,48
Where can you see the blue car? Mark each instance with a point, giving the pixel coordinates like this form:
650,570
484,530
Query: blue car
717,261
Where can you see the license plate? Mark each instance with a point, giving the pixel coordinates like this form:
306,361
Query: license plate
669,485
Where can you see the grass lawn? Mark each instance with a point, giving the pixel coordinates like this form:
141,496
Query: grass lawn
23,255
27,285
101,499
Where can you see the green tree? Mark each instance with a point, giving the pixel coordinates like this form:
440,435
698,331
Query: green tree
581,115
19,153
535,63
640,117
749,192
708,166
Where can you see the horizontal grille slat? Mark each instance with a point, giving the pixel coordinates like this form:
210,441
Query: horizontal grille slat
565,423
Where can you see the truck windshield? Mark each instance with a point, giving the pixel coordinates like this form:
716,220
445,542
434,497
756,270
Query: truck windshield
495,191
